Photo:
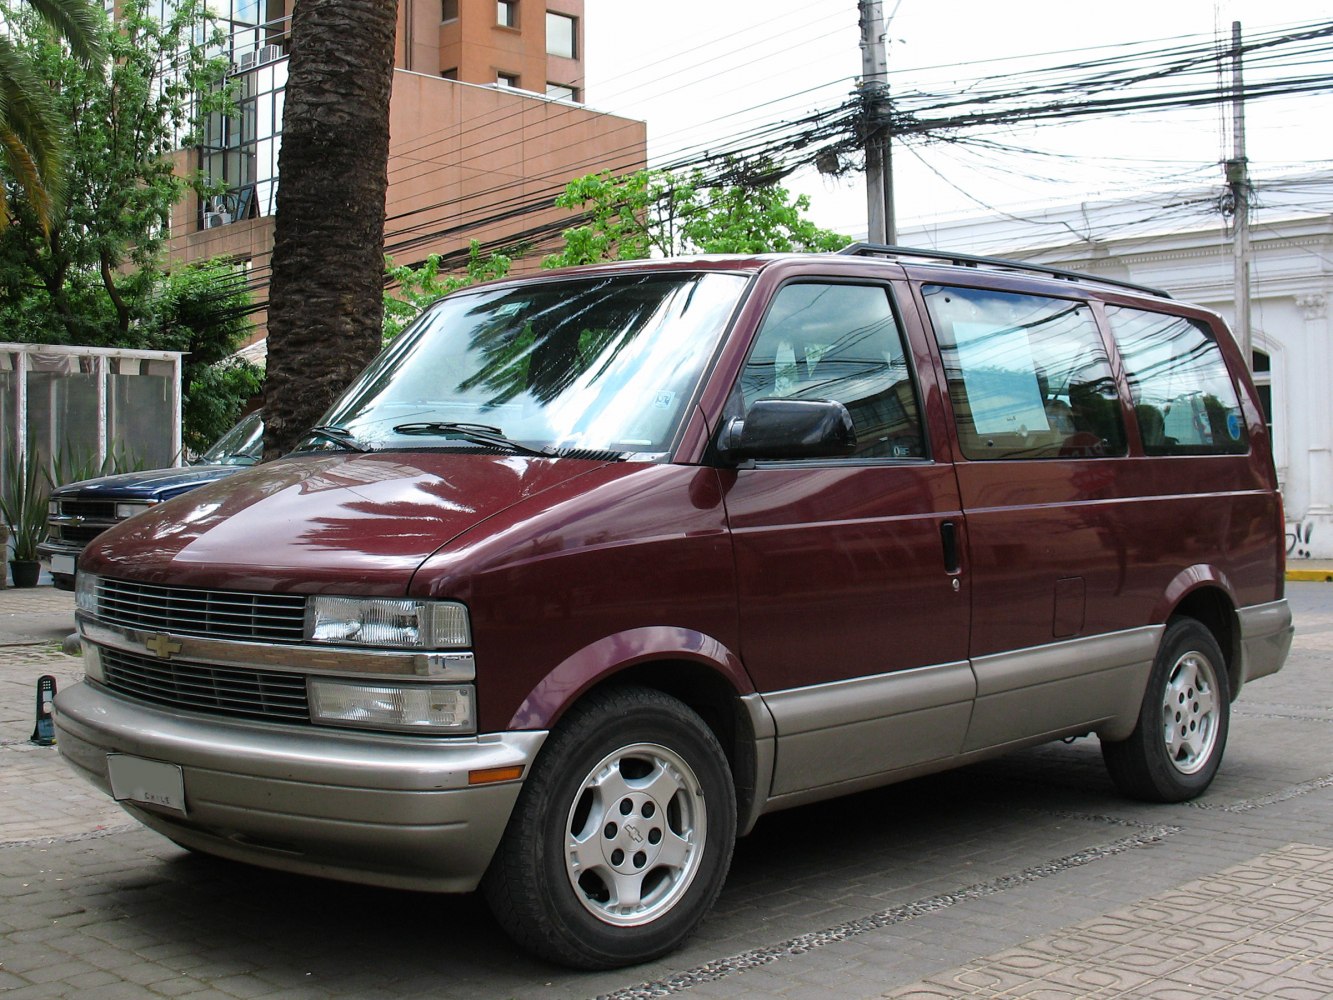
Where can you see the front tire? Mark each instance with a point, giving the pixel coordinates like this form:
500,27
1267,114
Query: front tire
622,836
1176,748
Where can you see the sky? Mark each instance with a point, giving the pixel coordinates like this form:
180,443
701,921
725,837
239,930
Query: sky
699,71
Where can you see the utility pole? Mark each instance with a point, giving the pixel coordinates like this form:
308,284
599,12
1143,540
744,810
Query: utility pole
1238,179
881,227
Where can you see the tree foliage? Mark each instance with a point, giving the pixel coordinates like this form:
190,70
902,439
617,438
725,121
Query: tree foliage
31,126
203,310
416,286
656,212
94,273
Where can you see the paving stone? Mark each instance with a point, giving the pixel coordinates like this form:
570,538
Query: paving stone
1027,871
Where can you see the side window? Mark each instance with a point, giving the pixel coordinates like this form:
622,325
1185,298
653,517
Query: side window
839,342
1028,375
1184,398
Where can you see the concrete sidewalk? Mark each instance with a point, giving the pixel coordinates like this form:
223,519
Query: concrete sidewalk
40,798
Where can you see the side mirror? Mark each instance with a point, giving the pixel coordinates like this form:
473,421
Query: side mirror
789,428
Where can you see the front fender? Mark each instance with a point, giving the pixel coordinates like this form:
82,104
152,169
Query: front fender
595,662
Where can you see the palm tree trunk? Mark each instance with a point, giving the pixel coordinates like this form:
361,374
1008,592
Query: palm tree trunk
326,295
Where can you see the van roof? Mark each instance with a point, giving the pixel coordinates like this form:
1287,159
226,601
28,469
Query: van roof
995,263
904,255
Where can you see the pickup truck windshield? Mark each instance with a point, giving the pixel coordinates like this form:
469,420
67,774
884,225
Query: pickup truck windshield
604,364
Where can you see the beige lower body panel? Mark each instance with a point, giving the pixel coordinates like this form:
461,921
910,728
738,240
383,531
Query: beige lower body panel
832,739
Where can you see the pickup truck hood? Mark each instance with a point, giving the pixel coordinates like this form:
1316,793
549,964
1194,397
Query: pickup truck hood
344,523
151,484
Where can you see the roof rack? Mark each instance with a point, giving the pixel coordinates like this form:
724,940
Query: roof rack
969,260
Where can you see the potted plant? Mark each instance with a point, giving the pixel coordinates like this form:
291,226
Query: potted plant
23,507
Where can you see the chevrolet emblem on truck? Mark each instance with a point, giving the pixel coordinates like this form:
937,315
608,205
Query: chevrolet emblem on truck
162,646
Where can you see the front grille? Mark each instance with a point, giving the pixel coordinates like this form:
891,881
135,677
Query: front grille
226,614
79,534
103,510
247,694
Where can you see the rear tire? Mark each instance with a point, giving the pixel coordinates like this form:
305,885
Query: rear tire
621,837
1176,748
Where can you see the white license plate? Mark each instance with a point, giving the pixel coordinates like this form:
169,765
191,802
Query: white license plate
151,782
63,565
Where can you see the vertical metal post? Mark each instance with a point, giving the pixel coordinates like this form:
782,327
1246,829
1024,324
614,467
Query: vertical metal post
101,365
1238,178
177,445
874,75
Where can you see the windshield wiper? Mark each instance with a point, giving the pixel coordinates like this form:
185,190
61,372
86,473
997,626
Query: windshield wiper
476,433
338,435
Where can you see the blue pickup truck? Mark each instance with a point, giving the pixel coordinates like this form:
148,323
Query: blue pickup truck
79,512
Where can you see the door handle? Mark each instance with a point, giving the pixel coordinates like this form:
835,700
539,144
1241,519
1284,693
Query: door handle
949,539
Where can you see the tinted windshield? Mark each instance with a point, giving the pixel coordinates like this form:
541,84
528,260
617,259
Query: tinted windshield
607,364
242,445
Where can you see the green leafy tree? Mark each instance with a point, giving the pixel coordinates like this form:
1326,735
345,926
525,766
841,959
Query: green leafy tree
637,215
94,274
203,310
415,286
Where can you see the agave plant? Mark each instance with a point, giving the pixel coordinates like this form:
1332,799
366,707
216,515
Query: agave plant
23,500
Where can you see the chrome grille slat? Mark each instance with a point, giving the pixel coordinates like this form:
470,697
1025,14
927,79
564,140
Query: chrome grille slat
252,694
205,613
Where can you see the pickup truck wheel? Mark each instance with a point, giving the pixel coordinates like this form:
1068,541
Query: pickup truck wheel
1177,746
622,836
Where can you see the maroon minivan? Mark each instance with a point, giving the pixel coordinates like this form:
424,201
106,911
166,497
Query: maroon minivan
590,570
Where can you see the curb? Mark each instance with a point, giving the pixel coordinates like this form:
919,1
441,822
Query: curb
1317,575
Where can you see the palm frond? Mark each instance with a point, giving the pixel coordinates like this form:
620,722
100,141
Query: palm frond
20,166
31,131
79,23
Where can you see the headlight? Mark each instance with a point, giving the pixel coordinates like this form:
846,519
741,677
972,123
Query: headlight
402,707
85,592
52,508
374,621
130,508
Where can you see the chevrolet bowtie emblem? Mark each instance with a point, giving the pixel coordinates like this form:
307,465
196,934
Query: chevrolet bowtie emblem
162,646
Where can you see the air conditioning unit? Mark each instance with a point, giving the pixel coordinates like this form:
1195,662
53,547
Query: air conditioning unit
247,60
269,53
214,219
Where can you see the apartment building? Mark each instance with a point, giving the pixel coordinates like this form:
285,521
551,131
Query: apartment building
487,125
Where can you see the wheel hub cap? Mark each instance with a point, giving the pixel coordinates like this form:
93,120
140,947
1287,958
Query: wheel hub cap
1189,712
635,835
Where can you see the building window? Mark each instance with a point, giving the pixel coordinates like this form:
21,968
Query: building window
507,80
560,92
448,10
1263,382
561,35
506,13
450,74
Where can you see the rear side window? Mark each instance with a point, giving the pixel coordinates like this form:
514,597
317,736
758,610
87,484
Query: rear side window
1184,399
1028,375
839,342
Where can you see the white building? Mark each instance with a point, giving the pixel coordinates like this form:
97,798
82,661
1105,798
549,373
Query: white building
1182,244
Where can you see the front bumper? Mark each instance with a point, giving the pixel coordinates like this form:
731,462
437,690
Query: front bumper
60,559
361,807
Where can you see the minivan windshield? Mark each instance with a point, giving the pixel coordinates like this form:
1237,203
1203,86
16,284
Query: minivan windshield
606,363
